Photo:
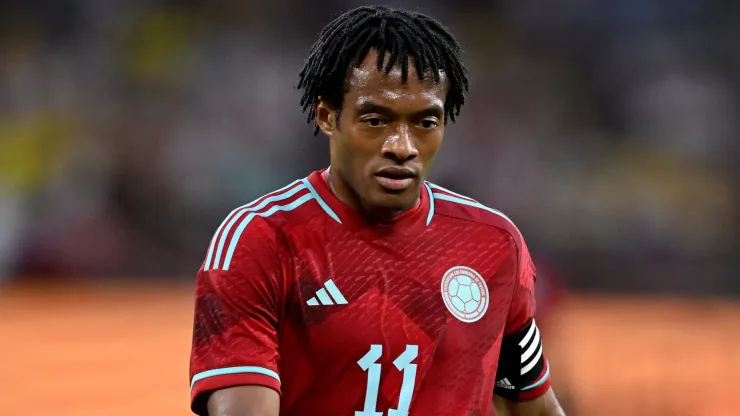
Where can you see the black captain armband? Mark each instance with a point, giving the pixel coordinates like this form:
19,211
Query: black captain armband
523,372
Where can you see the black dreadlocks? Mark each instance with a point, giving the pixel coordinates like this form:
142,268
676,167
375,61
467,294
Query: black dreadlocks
347,40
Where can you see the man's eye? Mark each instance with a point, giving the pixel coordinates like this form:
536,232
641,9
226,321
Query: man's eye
373,122
429,124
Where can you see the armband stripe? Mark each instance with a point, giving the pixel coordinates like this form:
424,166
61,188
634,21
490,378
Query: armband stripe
527,337
533,345
534,362
542,379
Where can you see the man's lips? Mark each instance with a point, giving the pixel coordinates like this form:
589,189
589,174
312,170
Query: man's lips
396,178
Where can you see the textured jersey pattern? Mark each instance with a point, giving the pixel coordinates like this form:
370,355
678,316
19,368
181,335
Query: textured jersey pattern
345,319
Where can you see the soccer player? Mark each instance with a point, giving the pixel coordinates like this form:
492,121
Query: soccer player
362,289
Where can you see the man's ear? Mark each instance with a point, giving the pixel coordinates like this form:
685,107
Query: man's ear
326,118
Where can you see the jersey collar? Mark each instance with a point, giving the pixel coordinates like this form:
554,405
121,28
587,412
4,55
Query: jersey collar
414,220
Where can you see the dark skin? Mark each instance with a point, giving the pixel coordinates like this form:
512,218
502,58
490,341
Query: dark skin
384,124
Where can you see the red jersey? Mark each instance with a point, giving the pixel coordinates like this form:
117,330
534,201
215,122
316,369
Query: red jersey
298,293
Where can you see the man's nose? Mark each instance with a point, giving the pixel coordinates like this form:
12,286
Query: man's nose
400,145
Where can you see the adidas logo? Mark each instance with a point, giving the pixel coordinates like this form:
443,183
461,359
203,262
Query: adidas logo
328,296
504,384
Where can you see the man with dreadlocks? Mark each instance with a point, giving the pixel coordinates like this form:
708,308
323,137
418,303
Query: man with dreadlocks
362,289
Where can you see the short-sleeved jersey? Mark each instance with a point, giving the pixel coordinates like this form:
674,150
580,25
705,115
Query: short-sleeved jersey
300,294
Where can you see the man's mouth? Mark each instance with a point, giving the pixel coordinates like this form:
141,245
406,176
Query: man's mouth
395,178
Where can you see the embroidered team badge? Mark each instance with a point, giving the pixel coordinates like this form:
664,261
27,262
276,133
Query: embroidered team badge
465,293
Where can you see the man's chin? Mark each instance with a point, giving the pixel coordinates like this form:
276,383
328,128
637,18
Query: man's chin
397,200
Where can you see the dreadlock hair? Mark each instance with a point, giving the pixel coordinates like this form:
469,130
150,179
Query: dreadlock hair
346,41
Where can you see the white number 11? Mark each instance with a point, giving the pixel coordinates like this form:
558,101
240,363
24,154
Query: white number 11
403,363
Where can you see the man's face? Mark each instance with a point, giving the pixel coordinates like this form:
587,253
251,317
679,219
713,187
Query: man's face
387,135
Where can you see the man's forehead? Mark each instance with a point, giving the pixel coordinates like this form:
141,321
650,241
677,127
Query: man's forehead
366,76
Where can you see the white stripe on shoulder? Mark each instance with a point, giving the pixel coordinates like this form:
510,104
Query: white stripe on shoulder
462,200
225,228
239,230
321,202
439,188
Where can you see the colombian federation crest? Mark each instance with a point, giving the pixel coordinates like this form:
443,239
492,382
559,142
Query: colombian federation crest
465,293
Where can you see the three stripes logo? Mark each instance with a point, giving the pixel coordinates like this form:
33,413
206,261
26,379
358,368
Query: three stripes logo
328,295
505,384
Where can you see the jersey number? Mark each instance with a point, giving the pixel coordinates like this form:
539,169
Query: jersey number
369,364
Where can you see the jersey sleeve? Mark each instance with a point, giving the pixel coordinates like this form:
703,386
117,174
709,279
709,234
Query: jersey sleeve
239,299
523,371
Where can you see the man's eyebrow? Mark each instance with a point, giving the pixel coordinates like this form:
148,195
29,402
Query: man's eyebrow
365,107
372,107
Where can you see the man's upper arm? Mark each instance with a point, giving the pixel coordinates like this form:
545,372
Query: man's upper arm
523,372
244,401
239,299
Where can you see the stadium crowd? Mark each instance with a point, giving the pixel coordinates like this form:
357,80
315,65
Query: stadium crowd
129,129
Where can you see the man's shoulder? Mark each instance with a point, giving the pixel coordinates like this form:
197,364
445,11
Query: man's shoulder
463,208
457,207
257,225
283,207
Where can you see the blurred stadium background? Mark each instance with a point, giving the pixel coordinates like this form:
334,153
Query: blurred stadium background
608,131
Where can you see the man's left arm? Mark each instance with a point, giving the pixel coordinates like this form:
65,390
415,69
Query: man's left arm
523,376
545,405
